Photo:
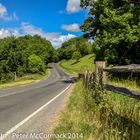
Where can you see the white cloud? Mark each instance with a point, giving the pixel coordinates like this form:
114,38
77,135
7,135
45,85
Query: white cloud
56,38
73,6
4,14
8,32
14,16
31,30
4,33
71,28
3,10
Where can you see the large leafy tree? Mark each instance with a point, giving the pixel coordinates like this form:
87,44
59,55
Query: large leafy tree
79,44
115,27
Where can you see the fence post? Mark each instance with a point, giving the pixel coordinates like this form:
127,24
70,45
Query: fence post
100,65
85,78
15,76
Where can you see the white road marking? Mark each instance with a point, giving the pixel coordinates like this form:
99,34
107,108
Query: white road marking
33,114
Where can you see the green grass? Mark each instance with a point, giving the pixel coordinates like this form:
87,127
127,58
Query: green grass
87,63
114,117
129,84
74,119
25,80
117,118
73,67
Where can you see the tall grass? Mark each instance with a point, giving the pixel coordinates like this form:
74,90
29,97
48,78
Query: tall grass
30,78
118,113
125,80
100,115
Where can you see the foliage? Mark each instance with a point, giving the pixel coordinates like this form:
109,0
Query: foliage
23,55
115,117
29,78
79,44
35,64
76,56
115,28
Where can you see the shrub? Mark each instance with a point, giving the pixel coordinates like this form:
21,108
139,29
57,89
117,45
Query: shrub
35,63
76,55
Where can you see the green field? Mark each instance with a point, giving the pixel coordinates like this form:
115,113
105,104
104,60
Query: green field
87,63
73,67
129,84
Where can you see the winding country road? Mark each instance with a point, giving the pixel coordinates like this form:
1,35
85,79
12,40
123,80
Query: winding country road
20,105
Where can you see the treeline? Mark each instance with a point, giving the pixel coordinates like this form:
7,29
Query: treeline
115,27
27,54
24,55
75,48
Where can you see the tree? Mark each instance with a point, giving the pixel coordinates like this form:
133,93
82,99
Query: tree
18,56
79,44
35,64
76,56
41,47
115,28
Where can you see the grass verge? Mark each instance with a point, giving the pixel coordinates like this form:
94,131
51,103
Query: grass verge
129,84
25,80
87,63
73,67
115,118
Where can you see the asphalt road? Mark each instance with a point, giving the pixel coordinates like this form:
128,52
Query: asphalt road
17,103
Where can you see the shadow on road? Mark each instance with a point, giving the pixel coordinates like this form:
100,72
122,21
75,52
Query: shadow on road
70,80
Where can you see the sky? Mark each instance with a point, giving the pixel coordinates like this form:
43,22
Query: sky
55,20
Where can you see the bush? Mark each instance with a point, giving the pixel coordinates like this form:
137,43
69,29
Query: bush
7,77
21,71
76,55
35,63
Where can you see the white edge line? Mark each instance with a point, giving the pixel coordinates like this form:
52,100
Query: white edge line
30,116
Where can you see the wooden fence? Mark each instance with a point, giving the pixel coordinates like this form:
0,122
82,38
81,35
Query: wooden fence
100,76
133,68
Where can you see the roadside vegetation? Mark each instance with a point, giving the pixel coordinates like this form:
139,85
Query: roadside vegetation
96,113
24,57
30,78
100,115
75,48
115,27
73,66
87,63
130,84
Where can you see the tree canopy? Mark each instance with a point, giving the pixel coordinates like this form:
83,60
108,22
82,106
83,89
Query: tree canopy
22,55
78,44
115,27
76,56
